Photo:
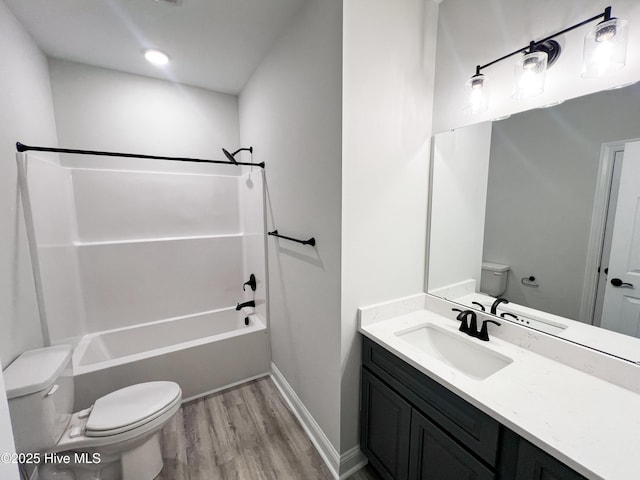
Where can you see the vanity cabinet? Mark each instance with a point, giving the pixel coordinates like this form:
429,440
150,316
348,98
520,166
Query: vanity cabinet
435,455
388,427
534,464
413,428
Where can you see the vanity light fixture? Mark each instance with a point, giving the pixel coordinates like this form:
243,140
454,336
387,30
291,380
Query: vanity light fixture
478,99
156,57
605,47
529,74
605,50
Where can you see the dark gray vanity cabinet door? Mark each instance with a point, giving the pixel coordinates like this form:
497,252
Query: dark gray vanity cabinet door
435,456
534,464
385,427
470,427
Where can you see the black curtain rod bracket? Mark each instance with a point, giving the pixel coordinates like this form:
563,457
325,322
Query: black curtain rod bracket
311,241
25,148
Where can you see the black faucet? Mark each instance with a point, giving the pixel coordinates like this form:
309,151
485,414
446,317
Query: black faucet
484,333
494,305
478,304
471,328
250,303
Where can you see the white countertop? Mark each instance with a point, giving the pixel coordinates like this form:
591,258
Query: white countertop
589,424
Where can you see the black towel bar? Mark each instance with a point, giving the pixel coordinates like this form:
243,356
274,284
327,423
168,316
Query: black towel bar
311,241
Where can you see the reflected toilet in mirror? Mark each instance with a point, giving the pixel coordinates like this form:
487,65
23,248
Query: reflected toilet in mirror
493,280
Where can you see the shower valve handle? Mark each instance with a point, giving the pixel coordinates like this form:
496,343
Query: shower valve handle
251,283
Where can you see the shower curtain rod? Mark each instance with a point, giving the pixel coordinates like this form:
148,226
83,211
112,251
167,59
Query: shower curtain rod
24,148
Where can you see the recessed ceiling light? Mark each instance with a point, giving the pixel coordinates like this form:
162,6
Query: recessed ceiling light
156,57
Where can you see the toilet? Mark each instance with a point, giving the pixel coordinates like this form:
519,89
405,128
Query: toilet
115,439
493,279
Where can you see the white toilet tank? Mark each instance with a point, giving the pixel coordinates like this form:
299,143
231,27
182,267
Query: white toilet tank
493,280
39,386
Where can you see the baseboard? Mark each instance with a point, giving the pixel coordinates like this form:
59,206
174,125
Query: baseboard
347,463
326,450
351,461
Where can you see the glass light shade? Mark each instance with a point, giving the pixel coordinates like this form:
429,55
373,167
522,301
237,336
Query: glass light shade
477,94
605,48
529,74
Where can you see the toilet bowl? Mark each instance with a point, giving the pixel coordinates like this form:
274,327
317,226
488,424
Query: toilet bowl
115,439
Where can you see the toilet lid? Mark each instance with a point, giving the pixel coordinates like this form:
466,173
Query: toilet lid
130,407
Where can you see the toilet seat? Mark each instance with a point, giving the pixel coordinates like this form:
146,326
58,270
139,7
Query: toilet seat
131,407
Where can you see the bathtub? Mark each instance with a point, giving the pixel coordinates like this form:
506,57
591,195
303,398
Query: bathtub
203,353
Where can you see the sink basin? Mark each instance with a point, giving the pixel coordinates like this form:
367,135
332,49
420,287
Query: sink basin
465,355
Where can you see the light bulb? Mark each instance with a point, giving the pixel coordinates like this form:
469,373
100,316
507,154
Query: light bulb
529,75
605,48
478,97
156,57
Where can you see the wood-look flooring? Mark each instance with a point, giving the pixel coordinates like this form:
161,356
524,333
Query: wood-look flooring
244,433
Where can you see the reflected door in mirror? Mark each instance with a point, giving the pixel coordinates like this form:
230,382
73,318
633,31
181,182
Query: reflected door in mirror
621,308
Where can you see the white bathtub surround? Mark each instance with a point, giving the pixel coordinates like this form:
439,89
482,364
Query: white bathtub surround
125,205
130,283
168,249
549,394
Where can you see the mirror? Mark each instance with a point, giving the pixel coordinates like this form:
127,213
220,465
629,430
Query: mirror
543,209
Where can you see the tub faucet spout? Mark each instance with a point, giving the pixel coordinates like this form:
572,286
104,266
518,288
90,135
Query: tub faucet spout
250,303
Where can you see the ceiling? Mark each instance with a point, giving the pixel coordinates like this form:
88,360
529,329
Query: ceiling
213,44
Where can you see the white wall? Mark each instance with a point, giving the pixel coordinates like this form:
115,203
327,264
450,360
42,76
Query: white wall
542,178
26,114
99,109
290,112
459,197
389,49
472,33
